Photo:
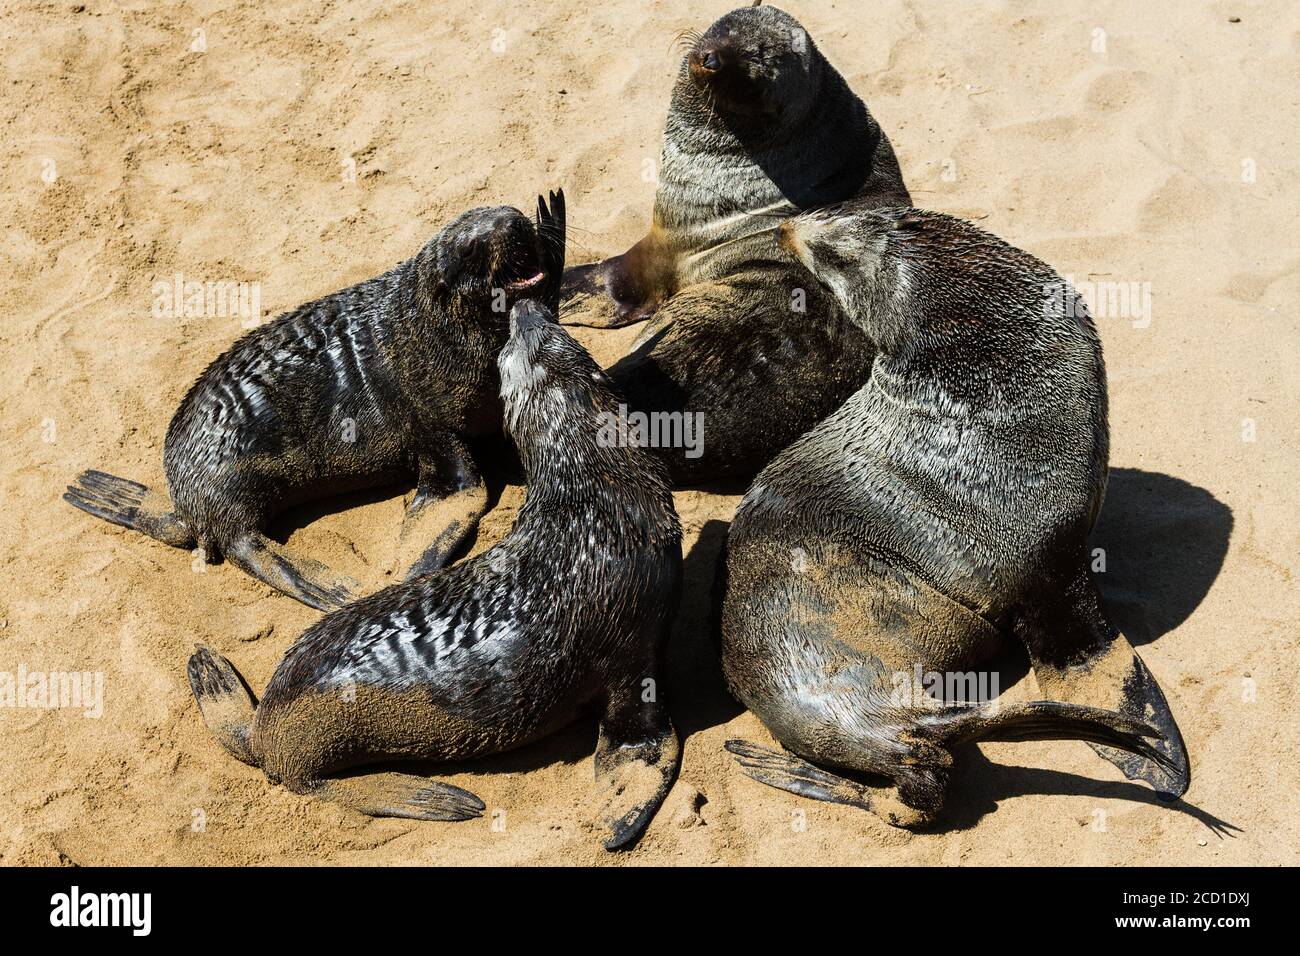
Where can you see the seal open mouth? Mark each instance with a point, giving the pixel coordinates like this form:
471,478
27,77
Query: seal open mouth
522,269
521,285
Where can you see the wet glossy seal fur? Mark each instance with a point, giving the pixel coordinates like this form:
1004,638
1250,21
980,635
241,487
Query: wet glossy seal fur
941,513
573,607
370,385
760,126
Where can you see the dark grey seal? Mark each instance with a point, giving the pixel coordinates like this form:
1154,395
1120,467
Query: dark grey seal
760,126
387,379
572,608
942,513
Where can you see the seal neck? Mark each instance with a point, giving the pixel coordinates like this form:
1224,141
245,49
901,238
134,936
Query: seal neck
582,478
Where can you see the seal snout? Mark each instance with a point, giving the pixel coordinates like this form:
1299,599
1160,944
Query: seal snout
710,60
528,314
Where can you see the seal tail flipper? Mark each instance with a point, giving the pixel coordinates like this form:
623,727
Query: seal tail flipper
397,795
1079,657
298,576
129,504
224,700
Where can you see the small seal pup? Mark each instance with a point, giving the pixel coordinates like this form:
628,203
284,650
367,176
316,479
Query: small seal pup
940,513
364,387
572,607
760,126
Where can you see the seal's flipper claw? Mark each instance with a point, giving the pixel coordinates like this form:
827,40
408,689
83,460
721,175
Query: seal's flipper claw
298,576
1143,700
398,795
129,504
633,778
785,771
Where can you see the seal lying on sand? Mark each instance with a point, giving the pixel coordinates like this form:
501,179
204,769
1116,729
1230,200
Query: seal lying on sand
943,511
572,607
364,387
760,127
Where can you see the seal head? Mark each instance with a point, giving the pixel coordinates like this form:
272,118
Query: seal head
752,63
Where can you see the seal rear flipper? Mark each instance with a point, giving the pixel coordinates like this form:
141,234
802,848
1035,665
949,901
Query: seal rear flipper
1144,700
311,582
912,804
552,230
1043,720
224,700
1079,657
129,504
785,771
396,795
1131,690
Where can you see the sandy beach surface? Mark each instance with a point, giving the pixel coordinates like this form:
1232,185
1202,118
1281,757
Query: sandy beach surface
301,147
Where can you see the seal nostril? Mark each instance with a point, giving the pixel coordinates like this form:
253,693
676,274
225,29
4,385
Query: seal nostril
712,61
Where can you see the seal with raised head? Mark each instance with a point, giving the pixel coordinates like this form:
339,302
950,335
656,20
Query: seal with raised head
392,377
760,126
572,608
941,514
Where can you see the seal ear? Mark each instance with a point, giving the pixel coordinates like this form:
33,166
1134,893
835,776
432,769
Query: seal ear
551,238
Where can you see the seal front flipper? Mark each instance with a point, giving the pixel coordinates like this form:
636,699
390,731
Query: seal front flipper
442,519
618,291
298,576
129,504
1078,656
637,759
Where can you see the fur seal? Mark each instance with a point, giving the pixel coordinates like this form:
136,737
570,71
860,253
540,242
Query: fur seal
760,126
940,514
572,607
391,377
